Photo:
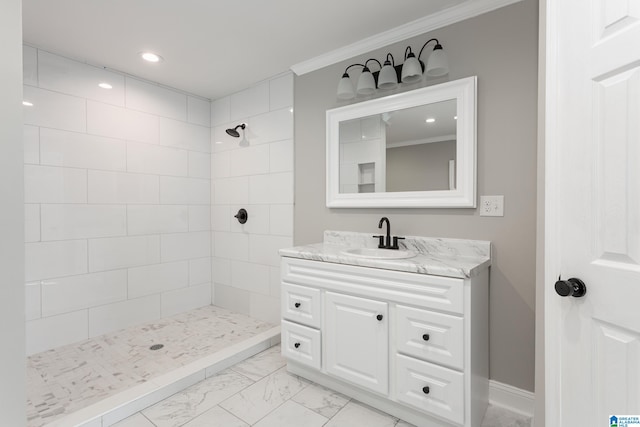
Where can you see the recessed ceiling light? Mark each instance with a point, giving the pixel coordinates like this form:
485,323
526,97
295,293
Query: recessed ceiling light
104,85
27,103
218,142
151,57
455,117
291,110
430,120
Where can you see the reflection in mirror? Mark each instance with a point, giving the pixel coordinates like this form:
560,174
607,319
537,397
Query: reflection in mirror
412,149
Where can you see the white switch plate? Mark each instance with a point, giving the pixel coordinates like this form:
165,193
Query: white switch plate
491,205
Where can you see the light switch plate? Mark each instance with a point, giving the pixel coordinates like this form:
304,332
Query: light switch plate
491,205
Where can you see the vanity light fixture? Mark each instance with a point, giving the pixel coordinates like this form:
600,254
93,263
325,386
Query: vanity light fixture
391,74
366,82
105,85
388,77
150,57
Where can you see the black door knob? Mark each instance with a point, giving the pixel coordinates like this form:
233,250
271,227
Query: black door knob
296,345
425,390
425,337
379,317
297,305
573,287
242,216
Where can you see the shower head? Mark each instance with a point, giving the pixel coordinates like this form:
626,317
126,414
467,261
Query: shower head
234,132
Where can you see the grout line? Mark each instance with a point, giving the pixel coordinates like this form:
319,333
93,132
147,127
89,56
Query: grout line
154,424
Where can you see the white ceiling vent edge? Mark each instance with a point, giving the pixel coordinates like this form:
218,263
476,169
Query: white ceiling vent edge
449,16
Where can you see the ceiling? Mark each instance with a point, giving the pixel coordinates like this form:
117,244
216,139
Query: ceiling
211,48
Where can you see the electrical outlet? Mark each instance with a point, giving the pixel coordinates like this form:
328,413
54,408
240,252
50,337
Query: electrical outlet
491,205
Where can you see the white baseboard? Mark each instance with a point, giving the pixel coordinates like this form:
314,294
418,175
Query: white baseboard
511,398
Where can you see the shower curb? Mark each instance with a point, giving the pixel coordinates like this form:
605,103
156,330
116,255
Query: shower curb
126,403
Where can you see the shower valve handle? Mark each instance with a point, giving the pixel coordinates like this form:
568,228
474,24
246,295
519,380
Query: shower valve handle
242,216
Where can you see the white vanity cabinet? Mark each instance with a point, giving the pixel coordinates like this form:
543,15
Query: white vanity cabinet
413,345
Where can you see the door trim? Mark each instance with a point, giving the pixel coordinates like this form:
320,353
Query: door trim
552,229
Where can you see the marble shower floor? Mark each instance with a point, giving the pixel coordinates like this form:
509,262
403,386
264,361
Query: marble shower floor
68,378
260,392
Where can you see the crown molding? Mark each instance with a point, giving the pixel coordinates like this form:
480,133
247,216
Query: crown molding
460,12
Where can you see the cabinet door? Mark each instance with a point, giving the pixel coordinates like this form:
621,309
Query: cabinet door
356,338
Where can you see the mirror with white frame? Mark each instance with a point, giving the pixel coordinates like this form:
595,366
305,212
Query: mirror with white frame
409,150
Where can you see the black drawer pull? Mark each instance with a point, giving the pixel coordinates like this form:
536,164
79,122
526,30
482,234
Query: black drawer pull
425,337
379,317
297,305
425,389
296,345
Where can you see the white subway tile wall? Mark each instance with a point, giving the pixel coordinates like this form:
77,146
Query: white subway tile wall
258,178
118,201
130,194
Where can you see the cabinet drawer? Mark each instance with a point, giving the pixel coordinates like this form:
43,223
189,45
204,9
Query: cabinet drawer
301,344
432,292
434,337
430,388
301,304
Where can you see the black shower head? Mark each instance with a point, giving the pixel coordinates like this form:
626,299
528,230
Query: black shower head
234,132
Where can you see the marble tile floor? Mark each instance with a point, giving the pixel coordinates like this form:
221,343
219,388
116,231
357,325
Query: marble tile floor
66,379
259,392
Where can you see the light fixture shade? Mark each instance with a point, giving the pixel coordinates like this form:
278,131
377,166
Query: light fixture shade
411,70
345,88
437,65
388,79
366,83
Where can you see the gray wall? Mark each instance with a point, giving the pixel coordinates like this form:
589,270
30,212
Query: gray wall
12,355
499,47
420,167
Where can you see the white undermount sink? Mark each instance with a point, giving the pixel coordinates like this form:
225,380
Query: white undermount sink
374,253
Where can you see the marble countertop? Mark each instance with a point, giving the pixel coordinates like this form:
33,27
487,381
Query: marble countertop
436,256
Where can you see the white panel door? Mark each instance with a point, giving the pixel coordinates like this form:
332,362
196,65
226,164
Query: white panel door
593,210
356,340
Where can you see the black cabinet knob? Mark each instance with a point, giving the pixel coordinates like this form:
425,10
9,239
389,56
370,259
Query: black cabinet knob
425,389
296,345
425,337
573,287
297,305
379,317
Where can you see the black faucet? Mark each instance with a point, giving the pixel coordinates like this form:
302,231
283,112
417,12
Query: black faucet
385,241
